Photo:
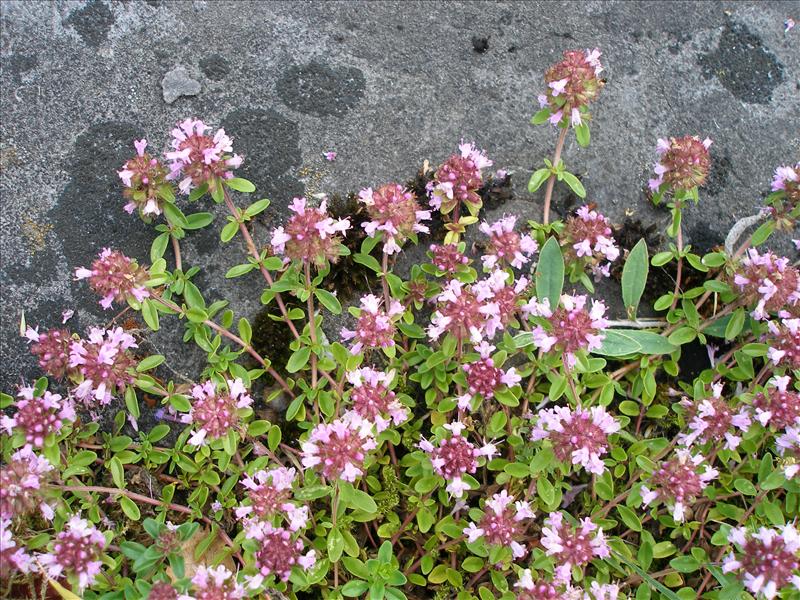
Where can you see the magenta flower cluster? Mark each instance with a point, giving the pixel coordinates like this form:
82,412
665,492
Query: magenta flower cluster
338,449
198,158
572,545
76,551
376,325
458,180
373,400
678,481
143,177
310,235
770,282
278,552
506,245
767,560
216,411
22,483
684,163
502,523
589,237
394,211
115,277
38,416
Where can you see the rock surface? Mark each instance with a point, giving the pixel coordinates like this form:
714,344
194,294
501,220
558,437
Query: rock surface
178,82
386,85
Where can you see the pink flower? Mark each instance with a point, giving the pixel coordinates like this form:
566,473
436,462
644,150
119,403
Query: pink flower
145,181
771,282
215,583
777,405
573,546
22,481
506,244
198,158
394,212
459,313
572,84
678,482
104,363
579,436
162,590
12,558
783,342
375,327
767,560
454,457
788,445
278,552
311,234
216,411
501,524
37,417
571,327
373,400
51,348
269,494
76,551
589,237
484,378
329,156
458,180
338,450
114,276
713,420
684,163
447,258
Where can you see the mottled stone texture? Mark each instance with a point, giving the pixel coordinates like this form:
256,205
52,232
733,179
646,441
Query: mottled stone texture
386,85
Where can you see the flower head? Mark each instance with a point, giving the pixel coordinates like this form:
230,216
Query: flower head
38,416
198,158
502,523
767,559
771,282
338,450
311,234
684,163
458,180
570,327
373,400
447,258
145,181
784,203
677,482
103,361
783,342
777,405
12,558
162,590
571,85
579,436
455,456
215,583
788,445
573,546
507,245
714,420
114,276
269,494
22,481
51,348
484,378
375,327
589,238
395,212
216,411
76,552
278,552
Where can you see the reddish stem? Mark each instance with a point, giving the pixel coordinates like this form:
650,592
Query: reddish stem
548,193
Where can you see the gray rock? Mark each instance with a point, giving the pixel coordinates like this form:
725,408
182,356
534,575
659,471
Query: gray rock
179,82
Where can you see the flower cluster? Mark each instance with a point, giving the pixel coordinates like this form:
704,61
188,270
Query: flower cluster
103,361
770,282
214,583
375,327
338,450
784,203
561,589
198,158
588,236
788,446
456,456
394,211
777,405
458,180
507,245
12,558
570,327
278,552
145,181
51,348
684,163
373,400
571,85
713,420
268,495
484,378
784,342
447,258
579,436
678,482
767,560
572,546
501,524
38,416
214,411
76,551
21,484
311,234
114,276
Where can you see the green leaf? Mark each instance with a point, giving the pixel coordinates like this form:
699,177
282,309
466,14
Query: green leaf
761,234
117,472
257,207
684,564
537,179
629,517
362,501
736,324
682,336
541,116
198,220
328,300
335,545
245,330
650,342
575,184
298,359
129,508
159,246
368,261
550,273
427,484
354,588
653,583
151,362
196,315
240,185
174,215
745,486
150,314
227,233
582,135
617,343
239,270
634,277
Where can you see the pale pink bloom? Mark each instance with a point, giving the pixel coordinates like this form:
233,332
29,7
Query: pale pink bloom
767,559
783,342
12,557
589,236
76,551
212,583
38,416
329,156
684,163
311,234
373,400
777,404
788,445
22,481
501,524
713,420
115,277
104,364
678,482
278,552
198,158
394,212
770,281
458,180
455,456
339,449
216,411
573,546
506,244
375,327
